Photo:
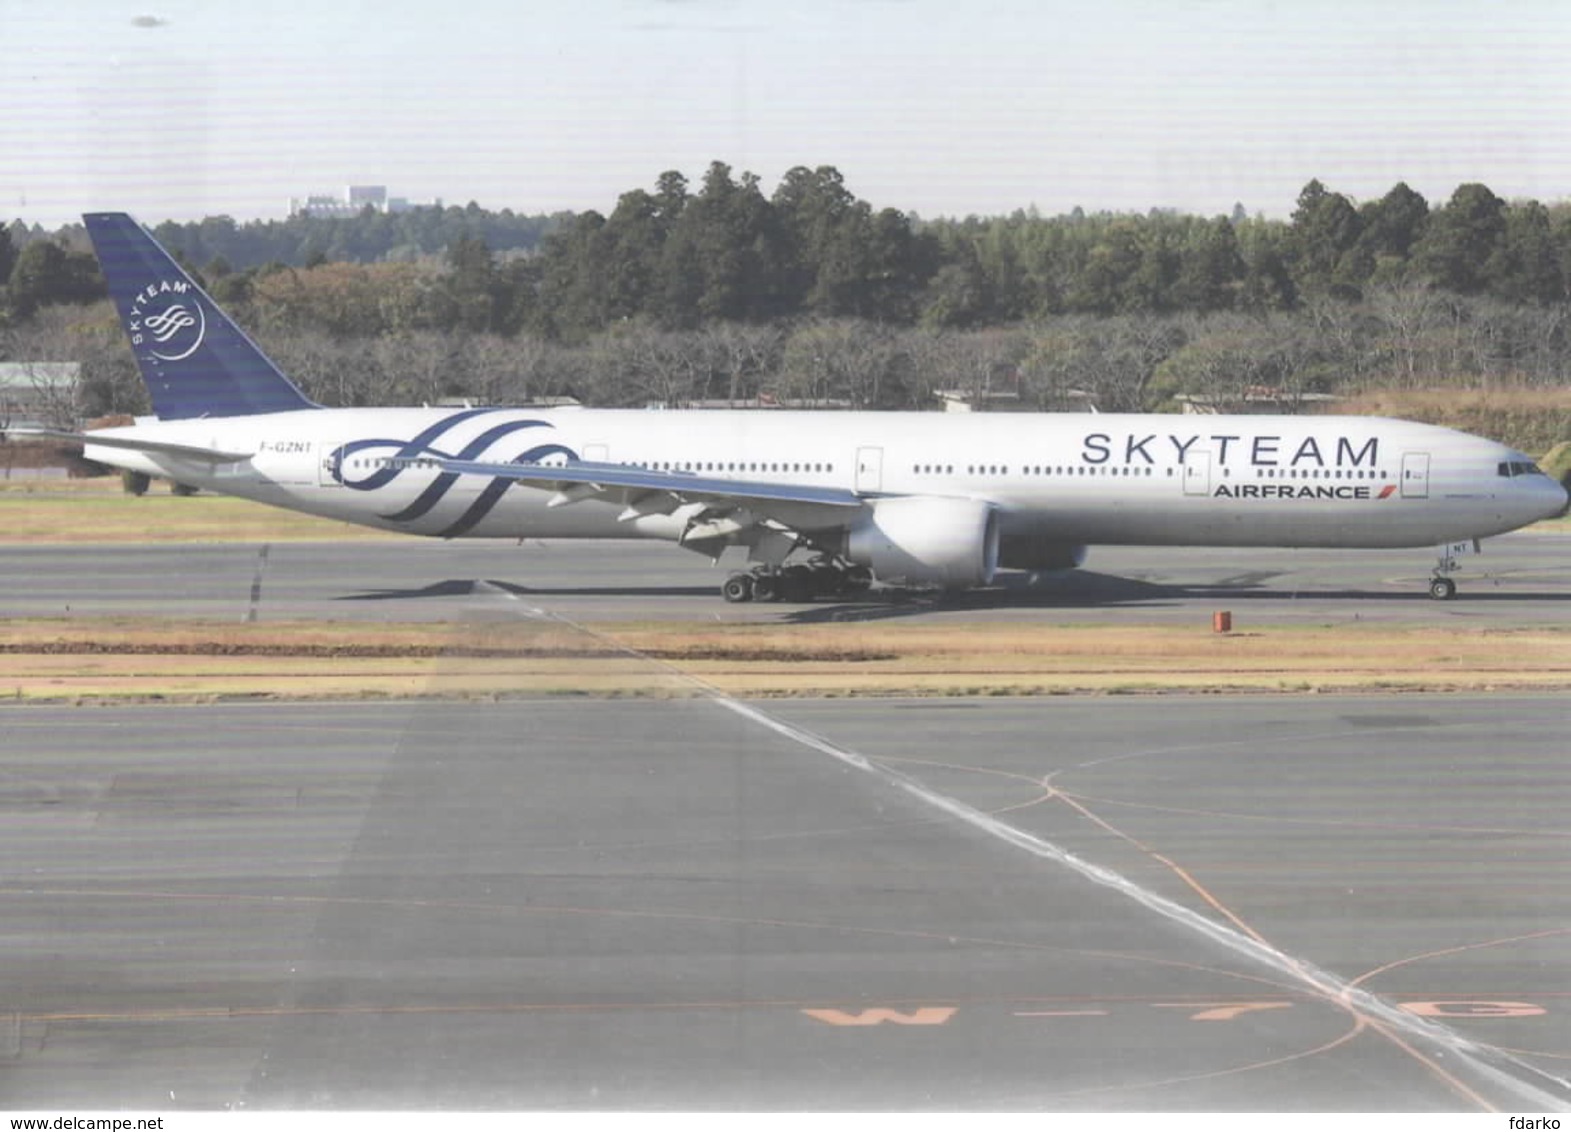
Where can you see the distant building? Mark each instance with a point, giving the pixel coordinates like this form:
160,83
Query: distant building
761,401
39,393
354,200
1255,399
1010,401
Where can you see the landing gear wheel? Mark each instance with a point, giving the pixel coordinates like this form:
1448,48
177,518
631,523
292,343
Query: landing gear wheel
824,579
1442,589
797,584
766,587
738,587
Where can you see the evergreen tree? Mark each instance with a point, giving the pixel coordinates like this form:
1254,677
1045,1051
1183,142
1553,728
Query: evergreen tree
1325,227
1394,223
1527,267
1211,269
1461,240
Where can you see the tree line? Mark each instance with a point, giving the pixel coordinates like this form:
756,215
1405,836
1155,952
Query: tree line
720,292
302,240
681,258
1407,341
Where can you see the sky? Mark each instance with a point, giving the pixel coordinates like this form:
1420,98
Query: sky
179,109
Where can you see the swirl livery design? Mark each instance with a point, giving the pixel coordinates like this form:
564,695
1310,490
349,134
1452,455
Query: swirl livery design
393,456
167,318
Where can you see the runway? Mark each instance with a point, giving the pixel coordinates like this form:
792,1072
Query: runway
1116,903
1521,579
560,904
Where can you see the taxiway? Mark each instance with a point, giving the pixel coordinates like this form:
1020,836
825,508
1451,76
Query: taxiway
667,904
1193,903
1521,579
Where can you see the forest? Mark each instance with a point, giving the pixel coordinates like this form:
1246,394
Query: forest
808,295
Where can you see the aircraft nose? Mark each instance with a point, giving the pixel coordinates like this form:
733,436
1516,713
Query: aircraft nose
1565,502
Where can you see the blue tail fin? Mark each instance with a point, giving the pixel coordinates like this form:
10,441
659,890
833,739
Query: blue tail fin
195,361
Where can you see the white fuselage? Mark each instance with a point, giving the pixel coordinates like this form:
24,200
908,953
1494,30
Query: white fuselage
1066,478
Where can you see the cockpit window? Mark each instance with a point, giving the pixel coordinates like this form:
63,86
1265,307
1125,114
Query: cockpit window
1510,469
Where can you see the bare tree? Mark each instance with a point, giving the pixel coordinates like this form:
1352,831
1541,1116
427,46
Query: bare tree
422,366
842,361
1407,314
740,355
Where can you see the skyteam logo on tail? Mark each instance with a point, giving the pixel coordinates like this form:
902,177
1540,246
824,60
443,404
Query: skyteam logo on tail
167,318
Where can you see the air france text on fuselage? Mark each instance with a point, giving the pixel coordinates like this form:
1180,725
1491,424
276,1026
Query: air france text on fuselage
1302,491
1229,450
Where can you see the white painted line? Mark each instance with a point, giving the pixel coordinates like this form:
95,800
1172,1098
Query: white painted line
1484,1060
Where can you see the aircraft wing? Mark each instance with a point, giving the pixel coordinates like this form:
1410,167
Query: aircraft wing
645,492
154,447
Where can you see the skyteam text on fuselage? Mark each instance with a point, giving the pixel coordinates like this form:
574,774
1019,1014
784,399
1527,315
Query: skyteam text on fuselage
823,503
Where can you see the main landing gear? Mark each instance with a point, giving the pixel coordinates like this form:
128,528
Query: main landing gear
804,581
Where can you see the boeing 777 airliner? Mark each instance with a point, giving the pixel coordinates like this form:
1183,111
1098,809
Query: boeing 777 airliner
823,503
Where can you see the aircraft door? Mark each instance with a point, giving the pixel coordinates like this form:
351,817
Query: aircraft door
869,469
327,461
1197,473
1415,475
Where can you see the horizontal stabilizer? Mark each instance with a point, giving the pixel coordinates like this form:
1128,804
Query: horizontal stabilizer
134,444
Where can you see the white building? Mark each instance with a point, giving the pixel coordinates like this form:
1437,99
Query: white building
39,393
354,200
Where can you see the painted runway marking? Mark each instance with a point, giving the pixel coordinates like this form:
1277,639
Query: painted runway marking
1533,1087
1221,1011
904,1014
1473,1009
256,583
1201,1010
878,1015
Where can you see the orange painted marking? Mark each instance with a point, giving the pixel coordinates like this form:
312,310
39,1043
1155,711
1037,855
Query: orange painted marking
922,1016
1223,1011
1472,1009
1361,1018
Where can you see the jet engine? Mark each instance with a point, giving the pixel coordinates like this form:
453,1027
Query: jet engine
947,542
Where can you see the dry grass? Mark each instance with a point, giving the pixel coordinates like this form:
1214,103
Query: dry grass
98,511
46,660
1533,419
158,659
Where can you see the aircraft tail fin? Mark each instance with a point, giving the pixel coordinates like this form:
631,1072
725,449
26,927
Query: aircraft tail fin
195,360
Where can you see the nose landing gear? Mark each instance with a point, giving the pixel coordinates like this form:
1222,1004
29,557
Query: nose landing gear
1441,587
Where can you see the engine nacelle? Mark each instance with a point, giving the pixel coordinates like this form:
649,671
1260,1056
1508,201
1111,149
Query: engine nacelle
946,542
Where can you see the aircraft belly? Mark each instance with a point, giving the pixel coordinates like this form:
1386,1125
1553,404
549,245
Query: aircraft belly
1315,524
1207,521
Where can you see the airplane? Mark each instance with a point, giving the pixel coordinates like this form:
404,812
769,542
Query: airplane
824,503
